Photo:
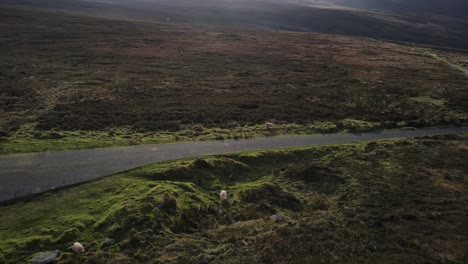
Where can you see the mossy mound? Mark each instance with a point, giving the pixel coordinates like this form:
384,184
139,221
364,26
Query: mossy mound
203,172
318,177
338,204
271,195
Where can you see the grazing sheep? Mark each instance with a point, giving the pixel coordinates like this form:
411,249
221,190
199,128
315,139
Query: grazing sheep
269,125
223,195
78,248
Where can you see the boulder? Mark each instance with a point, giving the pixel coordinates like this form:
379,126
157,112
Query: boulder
107,242
276,218
46,257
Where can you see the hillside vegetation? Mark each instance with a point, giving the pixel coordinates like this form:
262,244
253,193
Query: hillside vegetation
69,81
400,201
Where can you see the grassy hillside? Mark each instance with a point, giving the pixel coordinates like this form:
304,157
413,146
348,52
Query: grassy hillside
401,201
69,81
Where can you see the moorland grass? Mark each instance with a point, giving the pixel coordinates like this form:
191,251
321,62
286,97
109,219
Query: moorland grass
376,202
27,139
63,73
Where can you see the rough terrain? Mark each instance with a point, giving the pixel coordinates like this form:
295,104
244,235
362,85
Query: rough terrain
73,81
29,174
397,201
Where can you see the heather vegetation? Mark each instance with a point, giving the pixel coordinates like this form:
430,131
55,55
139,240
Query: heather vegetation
80,74
72,81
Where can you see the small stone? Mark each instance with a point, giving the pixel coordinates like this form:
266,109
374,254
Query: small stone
276,218
107,242
46,257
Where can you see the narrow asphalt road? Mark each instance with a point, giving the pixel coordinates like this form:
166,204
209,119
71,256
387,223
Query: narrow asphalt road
26,174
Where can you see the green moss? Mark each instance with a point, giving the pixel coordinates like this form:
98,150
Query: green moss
350,203
429,100
68,235
358,125
27,140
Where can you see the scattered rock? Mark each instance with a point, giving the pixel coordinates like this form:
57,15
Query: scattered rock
46,257
276,218
107,242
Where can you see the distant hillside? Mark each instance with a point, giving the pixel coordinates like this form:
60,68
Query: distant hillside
297,15
452,8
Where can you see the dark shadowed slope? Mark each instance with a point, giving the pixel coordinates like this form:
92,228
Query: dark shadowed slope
279,15
452,8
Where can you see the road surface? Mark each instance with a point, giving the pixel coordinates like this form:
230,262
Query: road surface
26,174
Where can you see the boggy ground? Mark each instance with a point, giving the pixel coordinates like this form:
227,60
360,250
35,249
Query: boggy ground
80,78
399,201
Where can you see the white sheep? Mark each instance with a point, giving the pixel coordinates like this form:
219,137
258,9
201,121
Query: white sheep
223,195
269,125
78,248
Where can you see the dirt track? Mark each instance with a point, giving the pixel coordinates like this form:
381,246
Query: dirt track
454,66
